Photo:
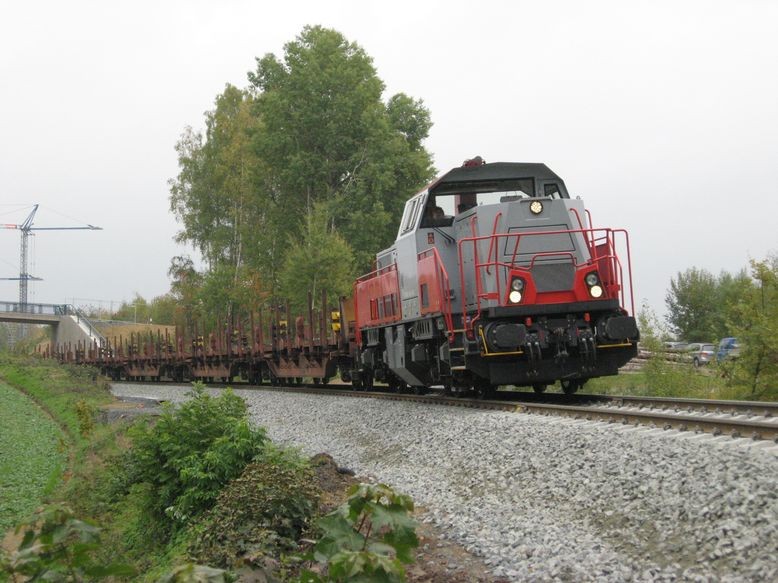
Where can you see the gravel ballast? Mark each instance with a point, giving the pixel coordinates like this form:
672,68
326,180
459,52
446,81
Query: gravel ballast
544,498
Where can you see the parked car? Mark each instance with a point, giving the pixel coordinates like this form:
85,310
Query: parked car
675,346
728,348
701,353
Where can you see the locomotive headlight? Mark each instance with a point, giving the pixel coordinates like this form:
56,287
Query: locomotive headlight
517,284
536,207
592,279
595,291
514,297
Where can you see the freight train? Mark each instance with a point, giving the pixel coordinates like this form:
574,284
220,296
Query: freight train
496,277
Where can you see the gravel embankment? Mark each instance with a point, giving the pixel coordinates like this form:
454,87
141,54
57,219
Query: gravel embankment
547,499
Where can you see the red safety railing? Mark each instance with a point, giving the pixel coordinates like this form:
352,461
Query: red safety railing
601,245
430,265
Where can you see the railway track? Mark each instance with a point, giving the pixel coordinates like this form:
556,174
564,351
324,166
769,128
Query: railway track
747,419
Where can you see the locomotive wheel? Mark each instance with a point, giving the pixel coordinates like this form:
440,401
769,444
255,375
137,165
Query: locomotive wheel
483,389
539,387
419,390
570,387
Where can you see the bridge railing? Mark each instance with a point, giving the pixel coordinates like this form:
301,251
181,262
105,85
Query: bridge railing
82,319
55,310
39,309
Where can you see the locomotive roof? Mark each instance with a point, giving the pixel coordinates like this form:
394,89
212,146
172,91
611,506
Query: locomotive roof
480,178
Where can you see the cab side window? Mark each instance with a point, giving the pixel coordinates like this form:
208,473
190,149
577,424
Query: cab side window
410,215
551,189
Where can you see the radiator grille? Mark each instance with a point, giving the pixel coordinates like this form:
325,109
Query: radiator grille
553,276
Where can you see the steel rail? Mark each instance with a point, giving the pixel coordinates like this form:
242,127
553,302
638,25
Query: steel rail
625,410
678,404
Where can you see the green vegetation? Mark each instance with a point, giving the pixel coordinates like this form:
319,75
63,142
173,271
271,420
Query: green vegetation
31,460
661,378
187,455
308,166
368,538
56,389
698,303
703,307
754,322
259,515
58,547
195,494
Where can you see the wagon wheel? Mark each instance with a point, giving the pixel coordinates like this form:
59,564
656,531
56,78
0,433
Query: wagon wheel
539,387
569,387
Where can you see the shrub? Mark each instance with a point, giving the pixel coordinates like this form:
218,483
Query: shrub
189,453
58,547
261,513
86,414
368,538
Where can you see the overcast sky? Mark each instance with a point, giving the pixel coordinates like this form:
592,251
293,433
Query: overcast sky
663,116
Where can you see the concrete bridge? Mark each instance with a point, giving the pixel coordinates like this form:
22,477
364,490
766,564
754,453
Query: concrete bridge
68,323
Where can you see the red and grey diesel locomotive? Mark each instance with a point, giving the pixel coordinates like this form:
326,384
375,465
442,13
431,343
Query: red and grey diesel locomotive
497,277
511,286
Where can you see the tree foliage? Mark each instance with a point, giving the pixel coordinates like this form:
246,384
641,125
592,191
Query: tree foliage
311,137
368,538
754,320
327,136
698,303
321,259
214,195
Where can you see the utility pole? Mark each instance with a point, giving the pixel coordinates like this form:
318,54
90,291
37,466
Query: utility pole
26,228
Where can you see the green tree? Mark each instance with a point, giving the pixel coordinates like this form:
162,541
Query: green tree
730,289
322,259
691,304
312,136
754,321
215,194
327,136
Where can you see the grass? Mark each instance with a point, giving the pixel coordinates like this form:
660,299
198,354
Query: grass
56,389
31,456
659,378
39,427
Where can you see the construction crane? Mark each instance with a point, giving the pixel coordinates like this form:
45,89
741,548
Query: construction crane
26,228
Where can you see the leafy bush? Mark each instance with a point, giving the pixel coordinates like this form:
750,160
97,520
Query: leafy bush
189,453
86,414
368,538
263,512
58,547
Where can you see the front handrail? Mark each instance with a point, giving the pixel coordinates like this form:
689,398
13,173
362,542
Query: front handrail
592,236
